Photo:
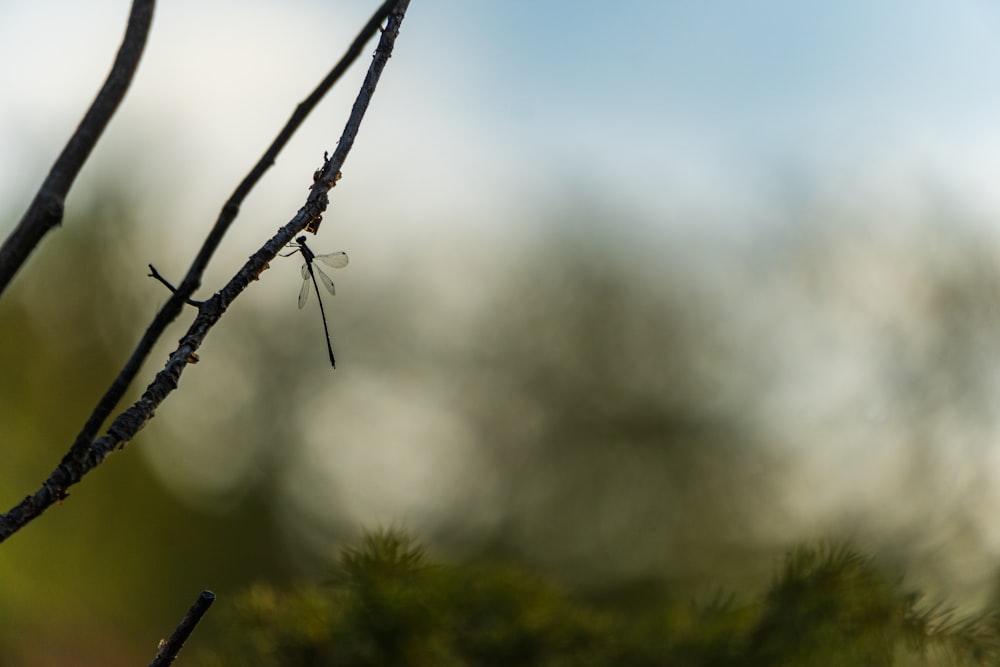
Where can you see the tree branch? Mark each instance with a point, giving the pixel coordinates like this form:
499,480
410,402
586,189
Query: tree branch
46,210
153,273
80,461
169,648
192,280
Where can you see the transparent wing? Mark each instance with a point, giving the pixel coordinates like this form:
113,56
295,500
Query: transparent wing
304,292
337,260
325,279
305,272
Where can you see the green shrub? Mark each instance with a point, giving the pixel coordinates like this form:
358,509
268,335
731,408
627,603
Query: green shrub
388,605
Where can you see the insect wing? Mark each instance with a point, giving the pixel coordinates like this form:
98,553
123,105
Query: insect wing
304,292
325,279
337,260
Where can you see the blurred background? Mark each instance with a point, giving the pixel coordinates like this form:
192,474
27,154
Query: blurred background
642,292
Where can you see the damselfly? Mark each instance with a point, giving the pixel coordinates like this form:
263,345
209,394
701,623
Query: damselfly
310,271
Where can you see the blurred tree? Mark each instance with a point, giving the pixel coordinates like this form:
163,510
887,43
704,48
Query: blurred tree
616,408
388,604
619,417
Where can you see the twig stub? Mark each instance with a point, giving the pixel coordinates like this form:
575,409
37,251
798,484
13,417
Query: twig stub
169,648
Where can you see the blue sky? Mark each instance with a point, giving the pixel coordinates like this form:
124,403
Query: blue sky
677,101
741,67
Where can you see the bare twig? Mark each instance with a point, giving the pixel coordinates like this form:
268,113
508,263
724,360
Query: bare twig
192,280
46,210
78,463
169,648
153,273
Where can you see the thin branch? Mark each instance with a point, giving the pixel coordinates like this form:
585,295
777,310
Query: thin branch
192,279
169,648
46,210
331,171
124,427
153,273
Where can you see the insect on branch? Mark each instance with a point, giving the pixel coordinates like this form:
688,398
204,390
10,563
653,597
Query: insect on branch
87,452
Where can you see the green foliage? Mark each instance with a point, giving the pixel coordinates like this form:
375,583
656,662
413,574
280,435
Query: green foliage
388,604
